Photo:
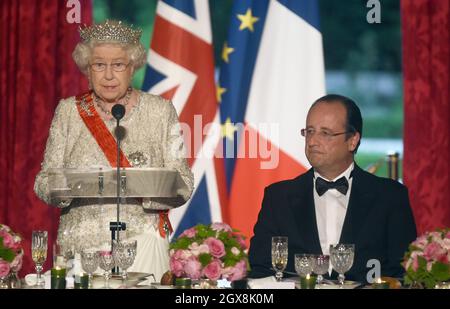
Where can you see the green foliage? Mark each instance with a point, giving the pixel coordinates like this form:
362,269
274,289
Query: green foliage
204,258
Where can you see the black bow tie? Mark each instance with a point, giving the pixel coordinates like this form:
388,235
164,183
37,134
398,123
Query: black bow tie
323,186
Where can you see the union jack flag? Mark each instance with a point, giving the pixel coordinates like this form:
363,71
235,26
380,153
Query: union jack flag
180,68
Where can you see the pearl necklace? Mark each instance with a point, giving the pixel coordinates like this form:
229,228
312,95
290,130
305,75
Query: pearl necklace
107,112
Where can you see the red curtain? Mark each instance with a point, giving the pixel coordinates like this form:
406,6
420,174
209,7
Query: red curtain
426,67
36,71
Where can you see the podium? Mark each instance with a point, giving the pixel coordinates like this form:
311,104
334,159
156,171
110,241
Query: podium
67,184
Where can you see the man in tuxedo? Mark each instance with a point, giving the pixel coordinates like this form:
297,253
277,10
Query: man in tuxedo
335,201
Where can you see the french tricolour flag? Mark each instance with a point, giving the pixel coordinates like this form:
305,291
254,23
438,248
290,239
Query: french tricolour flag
272,71
181,68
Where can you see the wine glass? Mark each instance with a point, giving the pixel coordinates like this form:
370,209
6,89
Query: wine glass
279,255
39,240
321,266
304,264
341,258
124,254
89,263
107,263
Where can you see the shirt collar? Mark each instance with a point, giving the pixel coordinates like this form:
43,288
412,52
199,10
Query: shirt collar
345,173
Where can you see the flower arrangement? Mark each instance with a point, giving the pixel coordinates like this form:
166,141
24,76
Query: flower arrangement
11,251
427,260
213,251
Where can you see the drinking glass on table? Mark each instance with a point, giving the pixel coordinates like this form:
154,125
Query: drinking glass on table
124,255
89,263
279,255
341,258
321,266
39,241
107,263
304,264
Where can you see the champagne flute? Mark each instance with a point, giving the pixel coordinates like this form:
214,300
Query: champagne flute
341,258
39,241
279,255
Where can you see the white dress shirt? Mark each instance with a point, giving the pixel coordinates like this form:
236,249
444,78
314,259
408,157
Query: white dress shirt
331,208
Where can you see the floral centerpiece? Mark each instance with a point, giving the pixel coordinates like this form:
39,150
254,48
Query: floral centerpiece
213,251
11,251
427,260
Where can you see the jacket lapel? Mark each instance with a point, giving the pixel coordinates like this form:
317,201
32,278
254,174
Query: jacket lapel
302,205
358,207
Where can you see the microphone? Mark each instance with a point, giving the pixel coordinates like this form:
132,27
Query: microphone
118,111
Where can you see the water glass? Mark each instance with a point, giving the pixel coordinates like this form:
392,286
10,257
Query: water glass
124,254
107,263
39,241
279,255
304,264
89,262
341,258
321,266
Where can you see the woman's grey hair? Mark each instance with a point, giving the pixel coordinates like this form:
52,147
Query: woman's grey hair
83,51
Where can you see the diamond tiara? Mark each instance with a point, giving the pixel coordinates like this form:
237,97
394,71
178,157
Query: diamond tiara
110,30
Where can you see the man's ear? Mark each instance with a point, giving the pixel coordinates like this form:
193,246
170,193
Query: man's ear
353,141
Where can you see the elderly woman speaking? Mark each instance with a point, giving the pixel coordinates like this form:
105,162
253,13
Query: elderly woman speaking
82,136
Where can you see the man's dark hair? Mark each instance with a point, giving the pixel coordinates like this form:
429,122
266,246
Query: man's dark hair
354,119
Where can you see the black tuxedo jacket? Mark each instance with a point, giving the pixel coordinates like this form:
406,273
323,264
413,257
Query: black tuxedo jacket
378,221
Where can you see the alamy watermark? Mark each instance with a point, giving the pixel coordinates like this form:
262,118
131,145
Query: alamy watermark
374,14
73,15
249,141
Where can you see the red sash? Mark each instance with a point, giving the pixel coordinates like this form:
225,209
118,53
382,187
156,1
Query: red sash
108,144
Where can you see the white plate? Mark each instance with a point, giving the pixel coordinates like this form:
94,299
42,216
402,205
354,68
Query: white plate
332,284
328,284
115,282
162,287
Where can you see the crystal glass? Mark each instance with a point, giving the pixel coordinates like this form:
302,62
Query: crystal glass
89,262
39,240
124,254
304,264
341,258
279,255
321,266
107,263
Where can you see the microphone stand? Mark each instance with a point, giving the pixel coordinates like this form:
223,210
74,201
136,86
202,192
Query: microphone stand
118,111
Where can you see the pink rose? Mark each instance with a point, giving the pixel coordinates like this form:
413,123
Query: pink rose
176,266
213,270
237,272
4,268
216,247
434,252
182,254
16,264
420,242
448,235
5,228
241,241
235,251
219,226
189,233
192,268
8,240
198,249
